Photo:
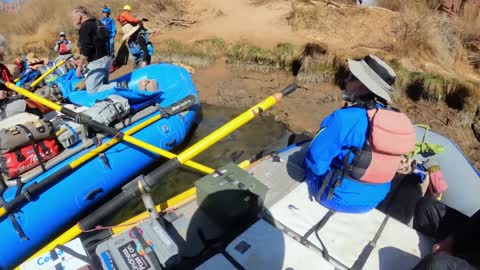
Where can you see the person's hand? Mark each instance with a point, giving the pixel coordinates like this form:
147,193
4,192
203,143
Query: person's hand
143,64
445,246
3,94
79,71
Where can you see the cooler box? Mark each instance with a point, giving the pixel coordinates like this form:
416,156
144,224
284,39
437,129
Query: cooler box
231,197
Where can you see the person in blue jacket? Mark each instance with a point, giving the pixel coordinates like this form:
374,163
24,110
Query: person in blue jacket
368,84
110,24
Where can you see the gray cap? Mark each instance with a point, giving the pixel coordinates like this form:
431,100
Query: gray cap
375,74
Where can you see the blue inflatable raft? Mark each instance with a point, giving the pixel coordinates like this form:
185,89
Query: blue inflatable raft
48,214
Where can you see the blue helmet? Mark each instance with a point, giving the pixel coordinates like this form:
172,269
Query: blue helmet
106,10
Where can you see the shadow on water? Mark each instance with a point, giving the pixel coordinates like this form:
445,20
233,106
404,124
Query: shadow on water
242,144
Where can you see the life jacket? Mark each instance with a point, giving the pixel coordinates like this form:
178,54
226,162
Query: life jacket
63,48
391,135
5,75
125,17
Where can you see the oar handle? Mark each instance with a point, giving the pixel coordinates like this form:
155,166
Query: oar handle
289,89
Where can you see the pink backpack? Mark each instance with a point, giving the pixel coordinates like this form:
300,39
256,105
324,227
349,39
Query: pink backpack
391,134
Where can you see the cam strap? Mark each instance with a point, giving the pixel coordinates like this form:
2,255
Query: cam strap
339,175
117,117
102,155
162,111
338,180
54,257
335,177
232,260
327,180
35,150
147,249
367,250
70,252
315,230
12,218
20,184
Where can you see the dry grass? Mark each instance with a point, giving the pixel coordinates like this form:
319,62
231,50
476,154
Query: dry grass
318,65
200,53
433,87
260,59
427,35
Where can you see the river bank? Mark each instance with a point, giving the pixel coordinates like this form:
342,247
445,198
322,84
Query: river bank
302,112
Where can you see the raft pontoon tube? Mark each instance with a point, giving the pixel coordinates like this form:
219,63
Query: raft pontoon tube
48,214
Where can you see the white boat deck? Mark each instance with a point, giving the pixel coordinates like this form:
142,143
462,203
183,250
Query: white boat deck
274,242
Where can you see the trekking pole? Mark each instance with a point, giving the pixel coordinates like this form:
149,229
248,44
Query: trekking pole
132,190
50,71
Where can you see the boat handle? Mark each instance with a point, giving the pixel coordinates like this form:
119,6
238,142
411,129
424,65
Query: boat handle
92,194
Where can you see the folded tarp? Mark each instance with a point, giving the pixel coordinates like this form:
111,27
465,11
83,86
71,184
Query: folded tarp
67,84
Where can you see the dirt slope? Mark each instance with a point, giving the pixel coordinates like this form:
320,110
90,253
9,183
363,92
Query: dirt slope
264,25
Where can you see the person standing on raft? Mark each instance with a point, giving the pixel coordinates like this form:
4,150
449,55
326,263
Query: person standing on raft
94,45
355,155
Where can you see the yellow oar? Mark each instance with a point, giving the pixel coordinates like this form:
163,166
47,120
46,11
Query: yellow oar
154,177
57,65
36,188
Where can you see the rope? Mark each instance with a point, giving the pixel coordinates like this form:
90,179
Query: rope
100,227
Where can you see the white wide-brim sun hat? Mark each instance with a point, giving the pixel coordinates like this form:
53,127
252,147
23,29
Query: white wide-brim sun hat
375,74
129,30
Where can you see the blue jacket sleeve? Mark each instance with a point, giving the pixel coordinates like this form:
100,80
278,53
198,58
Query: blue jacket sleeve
113,31
326,145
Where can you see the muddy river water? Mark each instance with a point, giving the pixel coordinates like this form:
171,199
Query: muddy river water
242,144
